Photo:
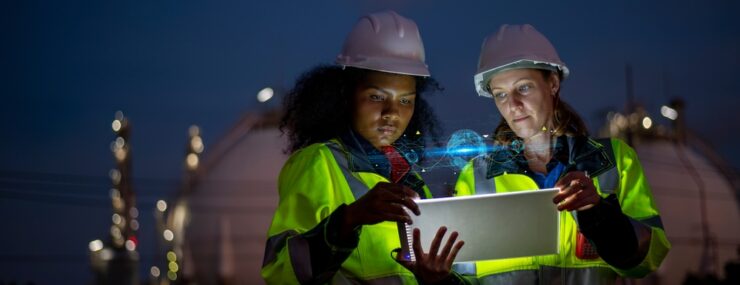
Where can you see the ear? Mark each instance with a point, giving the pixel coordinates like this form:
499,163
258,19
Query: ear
554,83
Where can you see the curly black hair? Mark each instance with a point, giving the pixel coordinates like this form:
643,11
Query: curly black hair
318,108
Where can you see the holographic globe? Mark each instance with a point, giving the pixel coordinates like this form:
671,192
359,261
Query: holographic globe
464,145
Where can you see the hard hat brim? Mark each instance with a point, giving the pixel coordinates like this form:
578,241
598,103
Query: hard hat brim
481,79
390,65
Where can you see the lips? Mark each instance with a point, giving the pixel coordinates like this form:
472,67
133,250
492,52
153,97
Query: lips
520,119
387,130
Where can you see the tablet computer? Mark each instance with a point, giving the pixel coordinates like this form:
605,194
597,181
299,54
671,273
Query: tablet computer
493,226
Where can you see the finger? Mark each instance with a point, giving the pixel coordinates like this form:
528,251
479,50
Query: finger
396,253
566,179
453,254
437,241
408,264
396,193
402,217
567,202
387,212
410,193
411,205
579,200
585,200
565,192
448,245
418,250
390,192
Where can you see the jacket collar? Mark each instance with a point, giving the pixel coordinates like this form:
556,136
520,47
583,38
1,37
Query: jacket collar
364,157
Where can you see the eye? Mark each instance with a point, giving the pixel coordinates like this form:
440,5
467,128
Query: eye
376,97
406,101
499,95
524,88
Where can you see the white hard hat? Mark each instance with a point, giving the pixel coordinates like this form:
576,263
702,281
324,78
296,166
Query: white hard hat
514,47
386,42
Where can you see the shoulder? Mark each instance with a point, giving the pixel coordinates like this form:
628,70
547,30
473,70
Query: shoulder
621,148
310,157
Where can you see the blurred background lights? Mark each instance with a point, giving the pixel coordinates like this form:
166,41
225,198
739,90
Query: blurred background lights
115,176
669,112
647,122
192,161
106,254
114,194
120,142
134,212
194,131
116,125
161,205
130,245
265,94
168,235
154,271
115,231
197,144
96,245
116,219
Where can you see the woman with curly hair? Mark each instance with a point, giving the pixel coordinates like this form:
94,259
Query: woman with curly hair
355,130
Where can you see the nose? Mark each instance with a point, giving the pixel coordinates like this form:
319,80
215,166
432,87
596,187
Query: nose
515,102
390,110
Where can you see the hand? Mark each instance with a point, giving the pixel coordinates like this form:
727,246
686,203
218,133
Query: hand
577,192
385,202
433,267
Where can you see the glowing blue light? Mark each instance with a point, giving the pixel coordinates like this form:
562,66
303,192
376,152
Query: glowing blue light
463,145
412,157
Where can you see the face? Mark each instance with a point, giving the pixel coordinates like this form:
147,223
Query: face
525,99
383,106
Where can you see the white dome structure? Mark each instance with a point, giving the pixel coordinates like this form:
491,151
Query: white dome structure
697,194
685,184
230,204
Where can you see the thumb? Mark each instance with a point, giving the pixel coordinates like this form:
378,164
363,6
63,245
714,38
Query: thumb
408,264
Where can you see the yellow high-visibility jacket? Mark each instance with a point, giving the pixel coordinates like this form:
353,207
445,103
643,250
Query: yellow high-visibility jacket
627,214
315,184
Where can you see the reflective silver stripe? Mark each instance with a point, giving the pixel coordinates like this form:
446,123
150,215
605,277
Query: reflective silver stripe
480,169
340,279
358,188
554,275
654,221
609,181
465,268
643,233
511,277
300,258
274,244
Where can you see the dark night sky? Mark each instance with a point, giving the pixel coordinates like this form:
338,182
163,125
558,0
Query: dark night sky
67,66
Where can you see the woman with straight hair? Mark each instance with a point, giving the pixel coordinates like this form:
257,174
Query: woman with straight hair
610,225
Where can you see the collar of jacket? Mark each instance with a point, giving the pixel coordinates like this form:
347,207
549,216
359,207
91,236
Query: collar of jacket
364,157
578,153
